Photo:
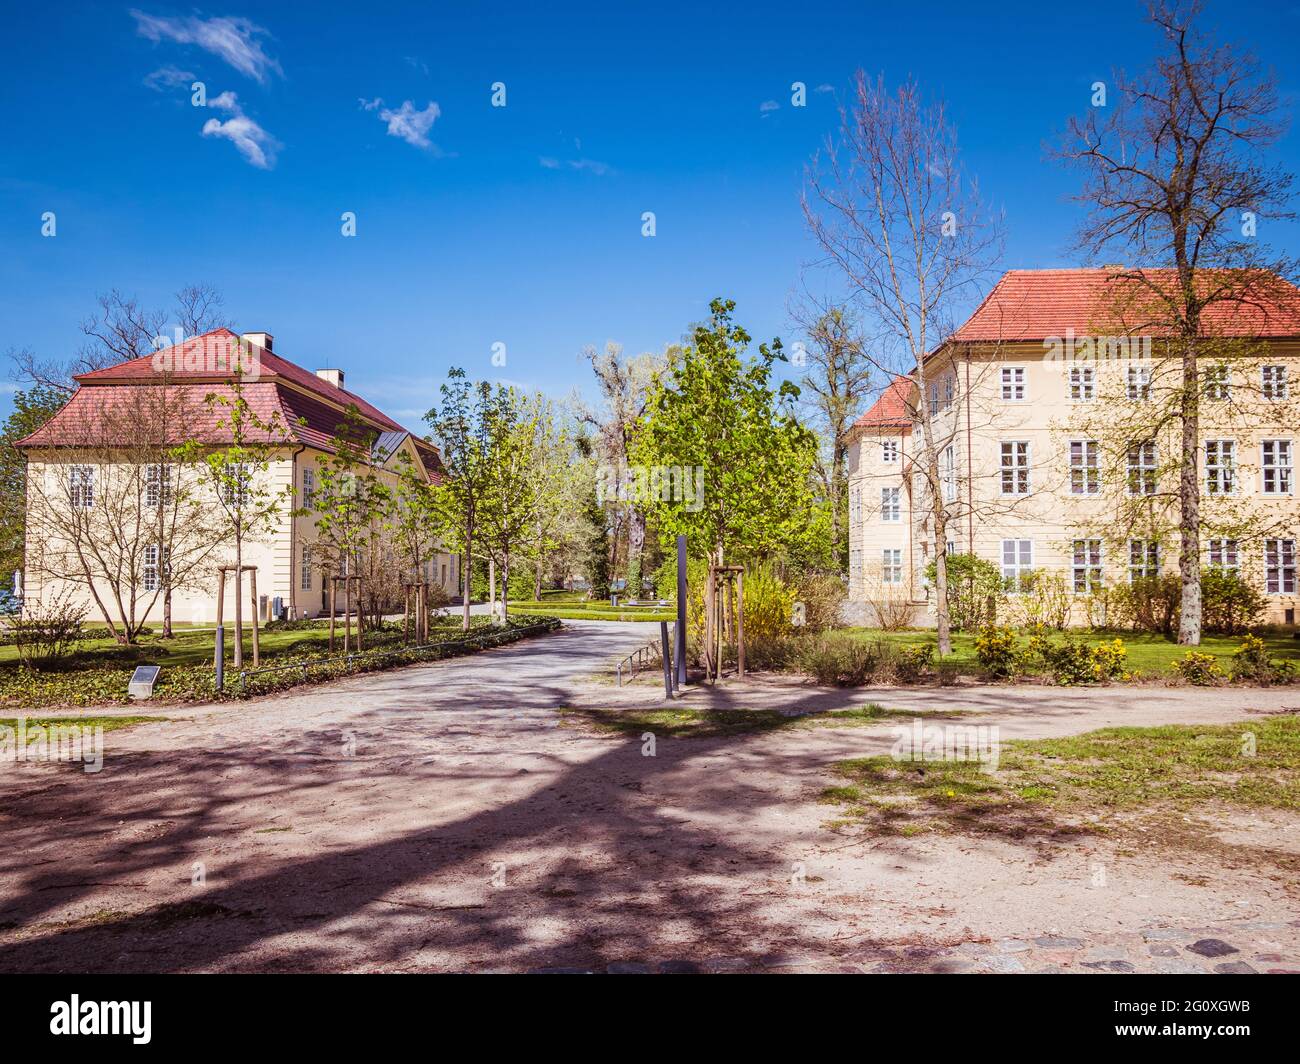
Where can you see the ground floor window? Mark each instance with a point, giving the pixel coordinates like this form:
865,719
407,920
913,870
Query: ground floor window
1017,561
891,565
305,565
1224,555
1143,558
1279,566
1086,567
155,566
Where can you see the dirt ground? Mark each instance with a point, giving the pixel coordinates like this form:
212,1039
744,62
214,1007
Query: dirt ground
445,818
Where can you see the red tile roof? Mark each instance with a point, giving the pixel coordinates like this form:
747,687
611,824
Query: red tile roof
891,410
1037,304
310,408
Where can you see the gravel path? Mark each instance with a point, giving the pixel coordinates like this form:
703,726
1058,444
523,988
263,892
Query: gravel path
441,817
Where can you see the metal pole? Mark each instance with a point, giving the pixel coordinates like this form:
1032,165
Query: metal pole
668,659
681,611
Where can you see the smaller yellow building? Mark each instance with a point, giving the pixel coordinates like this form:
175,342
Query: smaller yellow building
115,524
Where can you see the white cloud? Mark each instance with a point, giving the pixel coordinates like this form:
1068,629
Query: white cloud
769,105
549,162
169,77
252,141
370,105
231,39
411,125
824,88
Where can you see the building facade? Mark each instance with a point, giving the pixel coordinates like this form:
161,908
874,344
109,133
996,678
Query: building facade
94,492
1056,447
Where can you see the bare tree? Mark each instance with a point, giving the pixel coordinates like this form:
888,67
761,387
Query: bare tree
1175,178
116,512
832,391
890,205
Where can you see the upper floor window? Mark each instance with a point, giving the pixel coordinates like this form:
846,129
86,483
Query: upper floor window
81,486
1275,467
1218,382
1015,467
1273,382
1220,467
1142,468
1224,555
890,507
1083,383
308,486
1085,474
948,473
1143,558
889,451
1013,383
1086,568
235,479
158,485
1279,566
1139,382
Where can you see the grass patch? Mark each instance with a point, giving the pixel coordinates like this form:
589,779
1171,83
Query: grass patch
580,611
710,723
1061,784
107,723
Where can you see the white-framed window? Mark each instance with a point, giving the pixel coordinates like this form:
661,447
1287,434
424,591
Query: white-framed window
1017,561
1275,467
1225,555
1083,383
1013,384
1220,467
1142,468
155,566
855,564
304,565
1273,382
157,485
1015,467
81,486
949,390
950,548
1085,472
236,477
1218,382
1085,566
948,473
308,486
891,509
891,565
855,500
1279,566
889,451
1139,382
1143,558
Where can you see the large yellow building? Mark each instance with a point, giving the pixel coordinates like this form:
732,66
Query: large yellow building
1056,448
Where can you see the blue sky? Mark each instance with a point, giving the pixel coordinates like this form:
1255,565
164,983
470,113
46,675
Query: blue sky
518,225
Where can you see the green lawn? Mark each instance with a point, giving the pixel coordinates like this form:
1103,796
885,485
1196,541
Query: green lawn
1052,785
1149,655
107,723
571,606
711,723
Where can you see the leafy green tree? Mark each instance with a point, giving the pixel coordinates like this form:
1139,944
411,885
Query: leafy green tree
33,407
729,463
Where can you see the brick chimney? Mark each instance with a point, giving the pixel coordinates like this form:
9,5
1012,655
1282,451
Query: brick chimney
334,376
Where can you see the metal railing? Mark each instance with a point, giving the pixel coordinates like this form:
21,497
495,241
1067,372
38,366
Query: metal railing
643,657
489,635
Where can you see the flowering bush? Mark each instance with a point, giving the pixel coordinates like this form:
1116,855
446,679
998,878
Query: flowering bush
1198,668
997,650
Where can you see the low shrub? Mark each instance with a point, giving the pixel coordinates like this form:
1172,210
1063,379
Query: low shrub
843,661
1229,603
1199,669
47,631
914,661
1252,664
1074,662
998,651
974,588
818,598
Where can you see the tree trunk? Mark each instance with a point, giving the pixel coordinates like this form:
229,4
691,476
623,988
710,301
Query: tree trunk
537,577
466,571
167,614
239,603
1189,498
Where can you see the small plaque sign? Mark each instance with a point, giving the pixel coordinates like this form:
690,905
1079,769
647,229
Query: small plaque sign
142,681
